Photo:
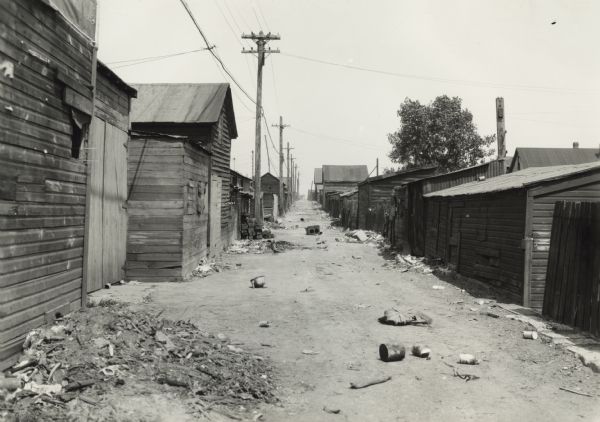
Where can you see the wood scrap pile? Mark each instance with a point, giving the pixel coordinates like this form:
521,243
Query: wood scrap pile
395,317
106,353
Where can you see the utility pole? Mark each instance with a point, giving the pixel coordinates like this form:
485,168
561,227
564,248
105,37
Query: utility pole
500,128
298,184
297,181
268,158
233,163
261,39
289,202
252,169
292,181
377,167
281,126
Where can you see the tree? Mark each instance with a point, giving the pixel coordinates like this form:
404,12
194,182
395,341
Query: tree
441,133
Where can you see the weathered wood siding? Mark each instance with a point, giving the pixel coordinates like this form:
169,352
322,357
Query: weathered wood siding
587,190
42,189
156,183
482,235
196,167
221,159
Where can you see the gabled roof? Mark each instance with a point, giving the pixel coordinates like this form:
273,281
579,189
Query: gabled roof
267,174
183,103
318,176
543,157
427,170
344,173
240,175
518,179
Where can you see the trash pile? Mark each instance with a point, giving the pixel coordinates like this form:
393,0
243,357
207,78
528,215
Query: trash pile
260,246
363,236
407,262
207,268
110,354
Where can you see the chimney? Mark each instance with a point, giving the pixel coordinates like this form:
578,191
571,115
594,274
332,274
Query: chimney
575,145
500,128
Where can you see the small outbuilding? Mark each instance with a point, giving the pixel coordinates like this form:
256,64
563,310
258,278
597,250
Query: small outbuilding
376,191
498,230
270,195
544,157
202,114
341,179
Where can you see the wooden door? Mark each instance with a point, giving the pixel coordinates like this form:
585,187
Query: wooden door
215,215
454,223
107,217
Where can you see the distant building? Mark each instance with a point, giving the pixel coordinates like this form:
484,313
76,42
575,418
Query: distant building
341,179
318,182
270,195
544,157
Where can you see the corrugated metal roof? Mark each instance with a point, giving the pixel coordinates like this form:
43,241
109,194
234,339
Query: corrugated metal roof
518,179
318,175
399,173
182,103
333,173
543,157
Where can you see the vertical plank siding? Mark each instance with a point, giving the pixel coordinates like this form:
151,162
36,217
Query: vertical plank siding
221,156
542,220
43,189
489,229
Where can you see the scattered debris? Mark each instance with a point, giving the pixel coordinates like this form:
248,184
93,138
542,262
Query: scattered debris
207,268
467,359
313,230
394,317
531,335
369,382
356,257
309,352
436,287
466,377
490,314
258,282
575,392
391,352
330,410
156,356
421,351
264,324
307,290
261,246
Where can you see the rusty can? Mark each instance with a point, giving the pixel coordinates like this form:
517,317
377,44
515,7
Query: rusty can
532,335
421,351
467,359
391,352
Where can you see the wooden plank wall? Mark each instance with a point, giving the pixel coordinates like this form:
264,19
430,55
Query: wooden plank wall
542,212
491,229
155,178
221,164
42,194
572,289
196,165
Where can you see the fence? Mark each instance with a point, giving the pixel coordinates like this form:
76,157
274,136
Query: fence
572,290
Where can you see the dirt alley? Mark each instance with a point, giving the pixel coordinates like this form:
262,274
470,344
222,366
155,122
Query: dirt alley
337,317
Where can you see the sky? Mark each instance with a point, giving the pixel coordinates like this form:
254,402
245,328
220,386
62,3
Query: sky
548,74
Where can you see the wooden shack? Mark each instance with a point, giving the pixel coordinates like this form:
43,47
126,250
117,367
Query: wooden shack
270,195
544,157
498,230
242,198
377,190
203,114
341,178
349,209
48,169
411,197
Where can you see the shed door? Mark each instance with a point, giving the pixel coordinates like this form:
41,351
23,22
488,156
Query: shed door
215,214
107,187
454,223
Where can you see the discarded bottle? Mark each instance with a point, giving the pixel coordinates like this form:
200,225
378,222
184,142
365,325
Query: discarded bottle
467,359
421,351
391,352
532,335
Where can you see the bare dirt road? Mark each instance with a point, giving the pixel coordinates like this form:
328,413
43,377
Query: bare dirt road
328,300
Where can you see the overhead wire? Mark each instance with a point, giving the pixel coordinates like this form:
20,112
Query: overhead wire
444,80
141,60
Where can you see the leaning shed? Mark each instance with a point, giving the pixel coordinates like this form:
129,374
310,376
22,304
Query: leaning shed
377,190
203,114
412,198
47,64
498,230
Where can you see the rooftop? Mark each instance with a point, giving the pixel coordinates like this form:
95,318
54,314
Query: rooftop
355,173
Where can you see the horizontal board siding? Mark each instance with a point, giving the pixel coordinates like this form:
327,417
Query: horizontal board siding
221,164
43,189
155,209
542,212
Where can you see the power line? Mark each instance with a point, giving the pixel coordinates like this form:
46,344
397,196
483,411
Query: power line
185,5
444,80
335,139
141,60
262,15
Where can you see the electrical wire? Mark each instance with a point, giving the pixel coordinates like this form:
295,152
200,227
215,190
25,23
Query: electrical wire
445,80
336,139
215,55
141,60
